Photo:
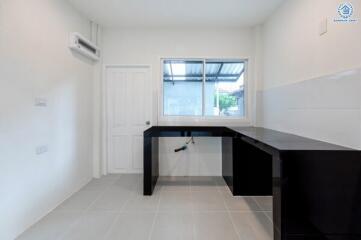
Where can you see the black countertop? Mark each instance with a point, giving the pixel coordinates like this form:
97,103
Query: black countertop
270,138
285,141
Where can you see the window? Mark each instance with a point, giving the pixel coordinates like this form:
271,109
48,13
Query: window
183,87
206,87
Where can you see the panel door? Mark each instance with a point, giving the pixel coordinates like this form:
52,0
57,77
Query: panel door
129,109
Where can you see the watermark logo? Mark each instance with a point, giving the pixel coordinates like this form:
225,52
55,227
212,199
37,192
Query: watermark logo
345,12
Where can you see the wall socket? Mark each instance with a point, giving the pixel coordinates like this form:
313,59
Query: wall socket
41,102
41,149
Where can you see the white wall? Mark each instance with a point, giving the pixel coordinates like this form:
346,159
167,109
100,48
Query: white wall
147,46
311,83
35,62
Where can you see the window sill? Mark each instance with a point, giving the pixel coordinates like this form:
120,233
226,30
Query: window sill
203,121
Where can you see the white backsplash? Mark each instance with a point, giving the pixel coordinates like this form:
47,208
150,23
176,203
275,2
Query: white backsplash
325,108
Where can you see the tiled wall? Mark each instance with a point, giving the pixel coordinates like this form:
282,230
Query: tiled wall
325,108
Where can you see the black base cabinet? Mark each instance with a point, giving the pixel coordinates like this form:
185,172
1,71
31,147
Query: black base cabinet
239,161
316,186
322,194
227,162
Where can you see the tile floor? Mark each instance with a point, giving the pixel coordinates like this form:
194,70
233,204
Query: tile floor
181,208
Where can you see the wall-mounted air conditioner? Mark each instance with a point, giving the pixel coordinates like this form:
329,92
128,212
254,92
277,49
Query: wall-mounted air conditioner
84,46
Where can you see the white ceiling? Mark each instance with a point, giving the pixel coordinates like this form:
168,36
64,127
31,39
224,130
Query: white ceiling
176,13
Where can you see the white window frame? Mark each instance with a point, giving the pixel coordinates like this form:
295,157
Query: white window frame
246,120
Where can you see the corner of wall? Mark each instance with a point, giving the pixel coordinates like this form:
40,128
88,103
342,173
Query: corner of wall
97,38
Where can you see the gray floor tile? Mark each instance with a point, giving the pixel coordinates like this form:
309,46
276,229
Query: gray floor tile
112,200
203,183
141,203
208,201
128,181
265,203
214,226
180,208
102,183
163,180
239,203
132,226
220,181
179,187
175,201
91,226
173,226
52,226
79,201
203,180
269,214
174,183
253,225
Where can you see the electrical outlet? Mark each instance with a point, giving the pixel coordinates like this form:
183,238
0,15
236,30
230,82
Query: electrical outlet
41,102
41,149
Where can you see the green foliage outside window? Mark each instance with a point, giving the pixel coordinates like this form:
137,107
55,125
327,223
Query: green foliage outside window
226,101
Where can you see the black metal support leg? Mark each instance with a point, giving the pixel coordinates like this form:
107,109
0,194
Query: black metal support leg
227,161
151,164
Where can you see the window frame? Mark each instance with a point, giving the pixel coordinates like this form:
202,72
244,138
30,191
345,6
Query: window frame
204,119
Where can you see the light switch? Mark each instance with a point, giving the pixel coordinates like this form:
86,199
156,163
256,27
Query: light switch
41,102
323,27
41,149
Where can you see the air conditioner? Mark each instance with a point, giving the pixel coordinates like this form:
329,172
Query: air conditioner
85,47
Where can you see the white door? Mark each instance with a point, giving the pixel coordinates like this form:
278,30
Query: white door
129,109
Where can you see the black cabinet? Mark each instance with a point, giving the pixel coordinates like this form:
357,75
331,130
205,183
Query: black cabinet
316,186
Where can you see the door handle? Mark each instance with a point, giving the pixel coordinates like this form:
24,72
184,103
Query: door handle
147,123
